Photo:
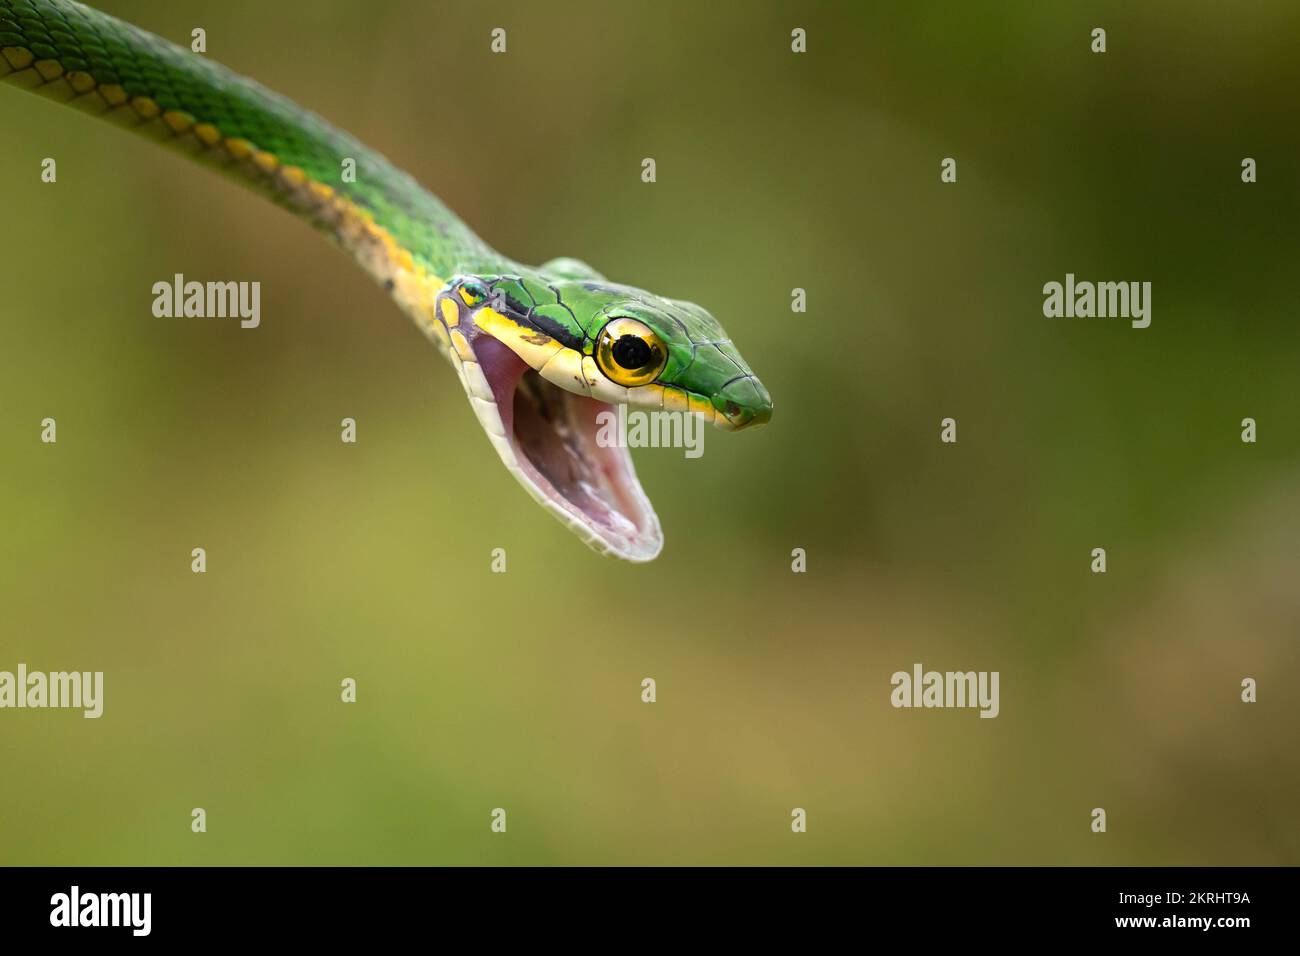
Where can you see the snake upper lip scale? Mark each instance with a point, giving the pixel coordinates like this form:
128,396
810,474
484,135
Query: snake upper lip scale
541,351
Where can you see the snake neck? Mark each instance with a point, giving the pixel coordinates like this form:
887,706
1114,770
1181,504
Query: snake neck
401,234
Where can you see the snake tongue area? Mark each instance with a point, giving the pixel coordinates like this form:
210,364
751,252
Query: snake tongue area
551,434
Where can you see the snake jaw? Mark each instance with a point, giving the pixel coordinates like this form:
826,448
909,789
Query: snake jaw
546,436
533,354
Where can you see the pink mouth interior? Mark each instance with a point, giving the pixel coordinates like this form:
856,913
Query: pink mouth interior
553,432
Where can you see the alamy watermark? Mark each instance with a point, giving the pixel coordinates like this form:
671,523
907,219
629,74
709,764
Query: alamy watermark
209,300
622,428
83,690
922,688
75,908
1102,300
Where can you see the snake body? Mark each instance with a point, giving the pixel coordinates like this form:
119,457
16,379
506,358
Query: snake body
541,351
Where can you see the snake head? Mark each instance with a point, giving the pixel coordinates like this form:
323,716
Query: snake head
542,356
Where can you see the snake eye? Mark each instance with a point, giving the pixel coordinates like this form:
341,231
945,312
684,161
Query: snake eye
629,353
472,292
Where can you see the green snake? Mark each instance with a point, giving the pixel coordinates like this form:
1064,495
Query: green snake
541,351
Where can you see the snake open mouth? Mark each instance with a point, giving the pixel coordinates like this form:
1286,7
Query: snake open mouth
551,447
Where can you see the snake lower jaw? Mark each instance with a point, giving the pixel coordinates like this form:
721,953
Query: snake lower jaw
546,437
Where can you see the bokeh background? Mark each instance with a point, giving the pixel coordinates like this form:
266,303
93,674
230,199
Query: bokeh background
522,690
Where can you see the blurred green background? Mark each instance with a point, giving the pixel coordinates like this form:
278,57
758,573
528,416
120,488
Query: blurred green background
522,691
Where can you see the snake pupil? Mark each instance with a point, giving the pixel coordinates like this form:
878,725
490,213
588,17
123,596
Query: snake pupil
631,352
